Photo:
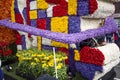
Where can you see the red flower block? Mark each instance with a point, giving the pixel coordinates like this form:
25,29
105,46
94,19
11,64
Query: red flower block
18,18
93,6
19,38
92,56
60,10
41,23
53,1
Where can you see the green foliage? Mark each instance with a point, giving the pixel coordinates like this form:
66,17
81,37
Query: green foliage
41,62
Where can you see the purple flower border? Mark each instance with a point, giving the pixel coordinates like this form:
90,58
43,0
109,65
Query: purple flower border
109,27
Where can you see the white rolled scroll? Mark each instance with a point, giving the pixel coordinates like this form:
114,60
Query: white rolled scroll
104,10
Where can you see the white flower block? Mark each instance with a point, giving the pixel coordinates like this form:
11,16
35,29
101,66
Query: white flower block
110,0
89,24
106,68
104,10
46,41
27,40
34,41
110,51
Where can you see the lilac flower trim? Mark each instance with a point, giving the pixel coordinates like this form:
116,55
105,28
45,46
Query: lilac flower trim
87,70
109,27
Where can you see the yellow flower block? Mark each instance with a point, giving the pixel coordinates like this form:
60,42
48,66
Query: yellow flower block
39,41
72,7
59,44
59,24
41,4
76,55
12,12
33,14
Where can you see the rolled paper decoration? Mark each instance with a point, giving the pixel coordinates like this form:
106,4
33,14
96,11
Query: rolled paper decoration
111,52
109,27
104,10
39,42
106,69
100,55
23,42
111,0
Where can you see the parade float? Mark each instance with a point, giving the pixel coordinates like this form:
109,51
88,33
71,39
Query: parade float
64,37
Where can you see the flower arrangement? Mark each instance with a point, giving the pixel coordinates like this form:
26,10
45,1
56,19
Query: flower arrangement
41,62
4,50
7,35
109,26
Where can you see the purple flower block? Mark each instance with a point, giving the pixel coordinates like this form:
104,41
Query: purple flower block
87,70
71,61
23,42
46,47
42,14
74,24
16,11
16,4
48,23
83,8
24,14
33,23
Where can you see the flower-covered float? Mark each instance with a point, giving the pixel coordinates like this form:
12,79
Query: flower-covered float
65,24
7,36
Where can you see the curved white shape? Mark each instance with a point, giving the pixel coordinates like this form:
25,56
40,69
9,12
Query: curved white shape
0,62
106,68
110,51
110,0
34,41
104,10
21,6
